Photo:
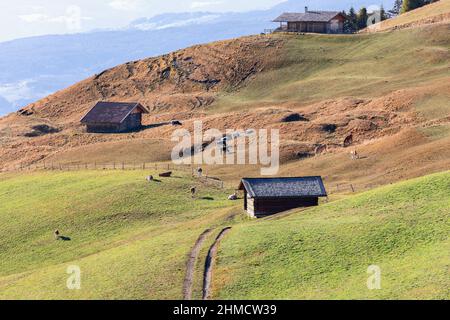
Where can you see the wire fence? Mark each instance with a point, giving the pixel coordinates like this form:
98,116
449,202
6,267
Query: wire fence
203,177
123,166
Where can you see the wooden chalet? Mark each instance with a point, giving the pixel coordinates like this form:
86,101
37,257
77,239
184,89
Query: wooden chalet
312,21
114,117
268,196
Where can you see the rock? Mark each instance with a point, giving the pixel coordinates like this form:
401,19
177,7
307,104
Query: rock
176,123
40,130
330,128
24,112
166,174
321,149
294,117
303,155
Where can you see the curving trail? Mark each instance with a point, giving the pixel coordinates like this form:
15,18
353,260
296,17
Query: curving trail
190,267
207,276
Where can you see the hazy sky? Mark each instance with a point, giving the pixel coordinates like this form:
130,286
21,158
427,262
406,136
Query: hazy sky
22,18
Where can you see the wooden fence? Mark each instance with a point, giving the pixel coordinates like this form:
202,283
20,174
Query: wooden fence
163,167
342,187
122,166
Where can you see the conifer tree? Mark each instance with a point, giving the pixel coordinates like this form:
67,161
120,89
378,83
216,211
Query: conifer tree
350,24
409,5
383,14
362,18
395,11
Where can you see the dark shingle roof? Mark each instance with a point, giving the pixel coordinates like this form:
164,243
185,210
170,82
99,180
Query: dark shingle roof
111,112
284,187
310,16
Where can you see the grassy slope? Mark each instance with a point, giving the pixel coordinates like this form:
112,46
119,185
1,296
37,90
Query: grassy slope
325,252
130,238
431,11
133,242
318,67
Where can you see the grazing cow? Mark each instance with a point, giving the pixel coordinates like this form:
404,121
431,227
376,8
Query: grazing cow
193,192
59,237
150,178
348,141
199,172
233,197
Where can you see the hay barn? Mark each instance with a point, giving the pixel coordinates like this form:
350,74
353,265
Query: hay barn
114,117
267,196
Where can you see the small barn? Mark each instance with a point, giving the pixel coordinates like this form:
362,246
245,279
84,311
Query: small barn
268,196
114,117
312,21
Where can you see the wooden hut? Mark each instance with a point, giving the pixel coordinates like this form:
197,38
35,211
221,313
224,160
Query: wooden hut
312,21
114,117
268,196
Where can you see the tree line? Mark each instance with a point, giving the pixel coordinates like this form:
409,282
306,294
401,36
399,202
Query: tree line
359,20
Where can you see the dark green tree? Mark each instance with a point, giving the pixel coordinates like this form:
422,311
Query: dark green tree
383,14
409,5
361,19
350,24
395,11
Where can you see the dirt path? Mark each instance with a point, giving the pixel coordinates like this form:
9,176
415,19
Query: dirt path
207,276
190,267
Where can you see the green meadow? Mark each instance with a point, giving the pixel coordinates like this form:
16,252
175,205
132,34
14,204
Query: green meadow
325,252
313,68
129,237
131,240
